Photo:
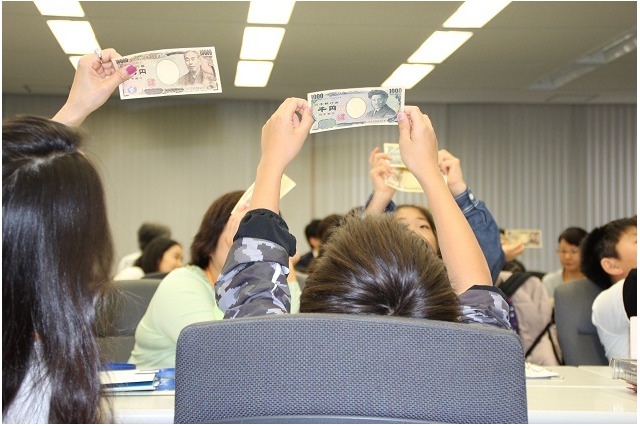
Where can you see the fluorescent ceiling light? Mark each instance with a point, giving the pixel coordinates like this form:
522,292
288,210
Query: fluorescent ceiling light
60,8
253,73
261,43
270,12
75,37
439,46
74,61
408,75
475,13
611,51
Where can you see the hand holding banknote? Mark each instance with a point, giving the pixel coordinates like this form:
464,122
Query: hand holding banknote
530,238
171,72
344,108
95,80
399,177
452,171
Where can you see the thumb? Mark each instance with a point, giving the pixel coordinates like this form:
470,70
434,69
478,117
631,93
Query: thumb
404,126
120,76
307,121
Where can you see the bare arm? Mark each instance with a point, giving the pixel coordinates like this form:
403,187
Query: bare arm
460,250
382,193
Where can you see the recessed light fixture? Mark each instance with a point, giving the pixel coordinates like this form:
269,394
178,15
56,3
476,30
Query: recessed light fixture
408,75
439,46
253,73
475,13
75,37
261,43
60,8
270,12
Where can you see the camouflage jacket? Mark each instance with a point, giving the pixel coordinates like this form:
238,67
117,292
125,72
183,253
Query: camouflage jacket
254,278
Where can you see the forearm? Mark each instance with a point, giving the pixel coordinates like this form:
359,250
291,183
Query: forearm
379,202
70,115
465,261
266,192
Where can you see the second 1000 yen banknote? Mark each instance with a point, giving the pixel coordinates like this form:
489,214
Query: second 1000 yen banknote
344,108
171,72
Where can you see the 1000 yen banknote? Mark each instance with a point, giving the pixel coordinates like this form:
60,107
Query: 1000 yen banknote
286,185
393,150
531,238
403,180
171,72
367,106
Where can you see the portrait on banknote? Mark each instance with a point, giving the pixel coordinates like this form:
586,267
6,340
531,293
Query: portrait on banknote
379,106
199,73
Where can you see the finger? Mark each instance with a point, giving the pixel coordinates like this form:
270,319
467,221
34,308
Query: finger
404,123
372,156
307,119
120,76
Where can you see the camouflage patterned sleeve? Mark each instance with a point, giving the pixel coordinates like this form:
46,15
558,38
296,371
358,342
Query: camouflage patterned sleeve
253,280
484,305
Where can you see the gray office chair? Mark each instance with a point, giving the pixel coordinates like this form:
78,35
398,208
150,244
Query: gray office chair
119,315
577,335
338,368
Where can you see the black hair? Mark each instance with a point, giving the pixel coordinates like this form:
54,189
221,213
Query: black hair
150,230
152,255
56,259
573,235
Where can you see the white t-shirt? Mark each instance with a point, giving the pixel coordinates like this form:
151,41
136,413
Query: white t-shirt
609,317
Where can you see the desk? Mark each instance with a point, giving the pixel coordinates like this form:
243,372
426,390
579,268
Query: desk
581,395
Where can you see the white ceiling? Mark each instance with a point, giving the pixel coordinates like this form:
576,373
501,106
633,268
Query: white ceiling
332,45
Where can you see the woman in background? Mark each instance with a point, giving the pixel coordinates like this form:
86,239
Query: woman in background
569,254
161,256
56,257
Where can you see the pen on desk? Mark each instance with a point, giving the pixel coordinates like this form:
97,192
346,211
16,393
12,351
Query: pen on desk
97,52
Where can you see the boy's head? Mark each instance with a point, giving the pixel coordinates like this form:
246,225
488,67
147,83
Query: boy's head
311,232
377,266
609,252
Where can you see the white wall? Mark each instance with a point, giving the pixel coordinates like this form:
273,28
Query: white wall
536,166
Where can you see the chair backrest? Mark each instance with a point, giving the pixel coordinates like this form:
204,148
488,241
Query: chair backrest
338,368
117,320
576,333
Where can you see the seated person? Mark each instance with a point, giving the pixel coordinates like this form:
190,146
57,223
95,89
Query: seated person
311,232
611,313
609,252
161,256
569,254
147,232
418,217
186,295
373,265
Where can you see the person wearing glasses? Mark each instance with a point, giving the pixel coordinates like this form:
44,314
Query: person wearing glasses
569,255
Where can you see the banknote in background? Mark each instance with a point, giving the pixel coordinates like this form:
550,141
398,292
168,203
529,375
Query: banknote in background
286,185
368,106
401,179
170,72
531,238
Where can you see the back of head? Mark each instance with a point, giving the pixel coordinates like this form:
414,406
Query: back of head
150,230
150,259
206,240
600,243
57,255
573,235
375,265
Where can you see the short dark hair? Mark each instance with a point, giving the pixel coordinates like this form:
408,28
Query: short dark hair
152,255
375,265
311,230
573,235
600,243
377,92
206,240
150,230
57,254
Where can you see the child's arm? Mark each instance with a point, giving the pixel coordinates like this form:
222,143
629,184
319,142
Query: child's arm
253,280
382,193
460,250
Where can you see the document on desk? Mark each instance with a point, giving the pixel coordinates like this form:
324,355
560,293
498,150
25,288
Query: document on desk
534,371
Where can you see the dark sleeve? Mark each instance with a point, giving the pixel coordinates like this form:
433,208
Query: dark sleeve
485,229
253,281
